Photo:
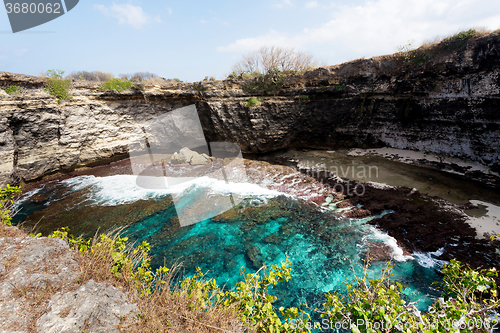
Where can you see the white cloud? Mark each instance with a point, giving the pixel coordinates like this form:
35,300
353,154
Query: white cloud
203,21
377,27
311,4
283,4
128,14
253,43
169,11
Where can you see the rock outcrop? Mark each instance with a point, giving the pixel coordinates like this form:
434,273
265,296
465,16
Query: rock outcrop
40,289
94,307
187,156
447,105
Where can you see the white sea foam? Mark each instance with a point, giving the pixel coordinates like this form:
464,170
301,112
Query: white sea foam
27,196
426,259
123,189
397,252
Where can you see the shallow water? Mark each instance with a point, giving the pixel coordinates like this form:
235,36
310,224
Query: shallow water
265,227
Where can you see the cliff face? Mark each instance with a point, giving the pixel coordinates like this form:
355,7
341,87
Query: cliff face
448,105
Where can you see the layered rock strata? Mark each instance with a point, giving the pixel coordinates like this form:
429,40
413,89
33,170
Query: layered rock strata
448,105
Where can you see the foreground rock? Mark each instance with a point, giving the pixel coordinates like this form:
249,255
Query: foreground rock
31,269
94,307
39,289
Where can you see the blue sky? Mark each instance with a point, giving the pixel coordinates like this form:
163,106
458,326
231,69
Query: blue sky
193,39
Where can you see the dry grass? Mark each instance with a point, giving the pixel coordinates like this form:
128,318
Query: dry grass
171,308
10,231
441,46
168,308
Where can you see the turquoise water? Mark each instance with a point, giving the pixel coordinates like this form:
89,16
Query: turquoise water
264,227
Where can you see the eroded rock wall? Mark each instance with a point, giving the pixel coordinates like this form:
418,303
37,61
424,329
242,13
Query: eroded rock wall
449,105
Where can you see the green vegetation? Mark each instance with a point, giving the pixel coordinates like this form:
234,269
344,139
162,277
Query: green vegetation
272,81
376,305
209,79
57,86
251,102
303,98
7,196
426,52
369,305
117,84
14,89
249,300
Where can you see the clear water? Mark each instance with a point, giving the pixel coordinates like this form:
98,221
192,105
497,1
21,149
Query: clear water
266,226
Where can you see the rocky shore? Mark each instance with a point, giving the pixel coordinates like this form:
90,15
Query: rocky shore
418,222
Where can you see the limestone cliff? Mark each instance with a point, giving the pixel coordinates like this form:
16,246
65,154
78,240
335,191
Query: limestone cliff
447,105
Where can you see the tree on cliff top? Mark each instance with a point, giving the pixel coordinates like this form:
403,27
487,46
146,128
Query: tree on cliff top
272,58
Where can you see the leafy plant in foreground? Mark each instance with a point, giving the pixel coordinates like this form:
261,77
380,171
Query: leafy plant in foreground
376,305
7,196
250,298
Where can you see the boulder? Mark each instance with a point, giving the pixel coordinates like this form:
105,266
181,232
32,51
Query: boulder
186,155
94,307
178,159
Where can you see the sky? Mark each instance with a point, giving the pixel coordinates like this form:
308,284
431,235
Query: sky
193,39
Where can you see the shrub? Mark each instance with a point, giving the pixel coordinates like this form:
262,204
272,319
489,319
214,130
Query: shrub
428,51
269,82
406,50
274,58
458,40
469,299
90,76
251,102
7,196
14,89
138,76
57,86
303,98
194,301
116,84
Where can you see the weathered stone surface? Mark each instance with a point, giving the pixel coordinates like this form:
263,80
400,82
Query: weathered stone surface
448,105
31,269
94,307
186,155
178,159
